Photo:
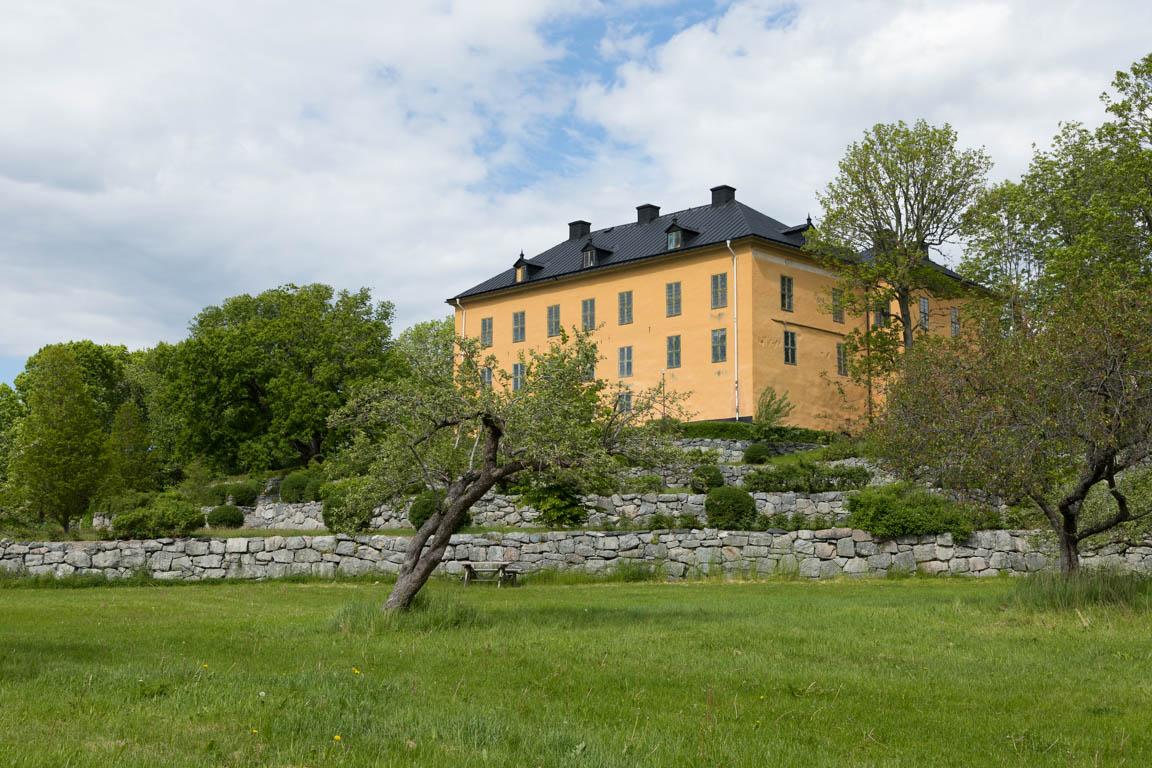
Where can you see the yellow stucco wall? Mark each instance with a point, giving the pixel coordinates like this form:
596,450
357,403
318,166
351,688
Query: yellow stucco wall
822,399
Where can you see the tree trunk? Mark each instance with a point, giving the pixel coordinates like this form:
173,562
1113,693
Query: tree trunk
1069,555
905,304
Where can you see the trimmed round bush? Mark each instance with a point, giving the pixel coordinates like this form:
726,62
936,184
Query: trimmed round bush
168,515
300,486
757,453
244,494
705,477
226,516
731,509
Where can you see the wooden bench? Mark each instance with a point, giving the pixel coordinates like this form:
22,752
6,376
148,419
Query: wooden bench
498,572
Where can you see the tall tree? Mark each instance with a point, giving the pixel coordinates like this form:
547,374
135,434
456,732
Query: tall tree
1045,415
258,376
458,429
58,461
899,193
129,464
10,413
101,368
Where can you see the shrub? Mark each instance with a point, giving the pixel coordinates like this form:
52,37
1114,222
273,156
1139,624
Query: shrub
757,453
345,510
226,517
900,510
243,494
687,521
731,509
771,409
210,495
648,484
300,486
170,514
717,430
424,505
842,448
706,477
807,477
111,506
559,505
781,434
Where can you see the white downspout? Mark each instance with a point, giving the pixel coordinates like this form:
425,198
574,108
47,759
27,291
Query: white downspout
463,318
735,332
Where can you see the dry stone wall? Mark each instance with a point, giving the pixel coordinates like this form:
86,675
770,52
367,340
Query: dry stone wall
680,554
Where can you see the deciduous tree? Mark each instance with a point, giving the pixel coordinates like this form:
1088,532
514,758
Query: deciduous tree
445,427
58,462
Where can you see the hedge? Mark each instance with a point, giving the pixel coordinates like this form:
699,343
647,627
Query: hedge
807,477
731,509
169,515
900,510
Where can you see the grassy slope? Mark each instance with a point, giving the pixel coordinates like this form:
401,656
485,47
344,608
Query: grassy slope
895,673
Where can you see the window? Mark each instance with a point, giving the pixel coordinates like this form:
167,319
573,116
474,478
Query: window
486,376
675,239
554,320
955,322
590,372
790,347
486,332
720,345
838,305
672,298
520,274
624,402
588,314
517,377
625,368
673,352
923,313
720,291
880,318
590,257
625,307
841,360
785,293
517,327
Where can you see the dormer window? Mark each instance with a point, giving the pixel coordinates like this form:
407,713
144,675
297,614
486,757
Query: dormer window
521,274
589,257
677,235
675,239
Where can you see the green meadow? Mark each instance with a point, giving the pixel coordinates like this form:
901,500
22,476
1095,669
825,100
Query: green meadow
912,672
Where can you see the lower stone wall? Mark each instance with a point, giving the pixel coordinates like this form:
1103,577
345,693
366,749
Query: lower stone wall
733,450
681,554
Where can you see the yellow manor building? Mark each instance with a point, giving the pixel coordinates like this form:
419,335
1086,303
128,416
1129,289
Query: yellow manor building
718,300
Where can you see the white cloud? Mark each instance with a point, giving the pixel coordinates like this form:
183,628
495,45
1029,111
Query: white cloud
157,157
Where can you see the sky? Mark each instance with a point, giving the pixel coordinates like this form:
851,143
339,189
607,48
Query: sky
157,157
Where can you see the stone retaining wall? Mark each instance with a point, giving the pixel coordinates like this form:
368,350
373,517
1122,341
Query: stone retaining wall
681,554
733,450
495,510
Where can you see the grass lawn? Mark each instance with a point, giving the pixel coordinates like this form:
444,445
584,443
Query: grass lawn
896,673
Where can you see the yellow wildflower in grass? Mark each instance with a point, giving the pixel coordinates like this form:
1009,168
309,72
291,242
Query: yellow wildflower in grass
355,671
204,665
255,731
336,737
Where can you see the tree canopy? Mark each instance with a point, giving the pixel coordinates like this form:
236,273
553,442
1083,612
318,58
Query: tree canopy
256,379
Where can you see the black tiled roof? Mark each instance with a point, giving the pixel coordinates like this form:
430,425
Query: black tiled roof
634,242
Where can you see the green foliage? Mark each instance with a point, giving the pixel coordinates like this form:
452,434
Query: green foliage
59,460
647,484
1088,588
706,477
301,486
101,370
111,506
560,505
254,383
731,509
226,516
807,477
429,612
169,514
901,510
758,453
127,452
717,430
843,448
661,521
346,509
771,409
11,411
785,434
687,521
244,494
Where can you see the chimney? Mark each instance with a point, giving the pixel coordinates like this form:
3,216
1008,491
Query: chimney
578,229
646,213
723,194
